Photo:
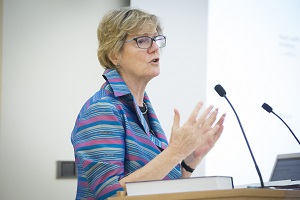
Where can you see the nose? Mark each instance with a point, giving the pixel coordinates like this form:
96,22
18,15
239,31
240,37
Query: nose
154,47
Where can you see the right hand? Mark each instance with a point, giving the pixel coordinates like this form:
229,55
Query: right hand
194,133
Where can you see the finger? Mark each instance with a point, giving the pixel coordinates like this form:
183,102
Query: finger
203,117
176,122
211,118
222,119
195,112
219,131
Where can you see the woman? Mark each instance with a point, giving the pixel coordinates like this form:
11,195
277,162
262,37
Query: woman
117,137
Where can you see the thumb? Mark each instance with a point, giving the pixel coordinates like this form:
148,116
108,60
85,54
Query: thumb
176,122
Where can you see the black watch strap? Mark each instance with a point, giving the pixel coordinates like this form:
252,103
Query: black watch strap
186,167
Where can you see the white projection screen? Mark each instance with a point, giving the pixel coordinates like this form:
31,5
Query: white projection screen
251,48
254,53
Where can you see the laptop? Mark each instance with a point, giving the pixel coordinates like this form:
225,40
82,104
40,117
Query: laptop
286,167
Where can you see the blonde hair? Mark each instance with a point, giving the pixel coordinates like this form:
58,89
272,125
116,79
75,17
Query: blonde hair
114,28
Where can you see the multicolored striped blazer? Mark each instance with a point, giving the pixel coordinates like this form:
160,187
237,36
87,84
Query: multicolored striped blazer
111,139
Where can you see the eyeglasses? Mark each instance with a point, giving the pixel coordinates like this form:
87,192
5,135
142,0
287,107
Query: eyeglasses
145,42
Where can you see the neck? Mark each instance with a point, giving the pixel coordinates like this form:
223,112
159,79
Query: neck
136,86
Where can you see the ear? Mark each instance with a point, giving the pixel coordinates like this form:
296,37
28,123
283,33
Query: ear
114,58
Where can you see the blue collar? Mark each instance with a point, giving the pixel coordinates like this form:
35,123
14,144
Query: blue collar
116,82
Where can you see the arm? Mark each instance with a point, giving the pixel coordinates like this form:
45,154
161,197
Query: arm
156,169
195,133
98,141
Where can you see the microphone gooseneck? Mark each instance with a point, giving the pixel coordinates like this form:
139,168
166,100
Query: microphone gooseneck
220,90
269,109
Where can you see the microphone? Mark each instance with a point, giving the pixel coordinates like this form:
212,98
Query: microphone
220,90
270,109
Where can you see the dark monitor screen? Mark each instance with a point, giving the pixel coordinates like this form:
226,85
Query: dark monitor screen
286,169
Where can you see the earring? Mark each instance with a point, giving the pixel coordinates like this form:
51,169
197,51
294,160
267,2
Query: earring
118,65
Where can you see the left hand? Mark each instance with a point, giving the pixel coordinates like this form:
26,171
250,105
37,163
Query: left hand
194,158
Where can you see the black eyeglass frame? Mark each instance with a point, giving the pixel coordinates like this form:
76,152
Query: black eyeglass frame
152,39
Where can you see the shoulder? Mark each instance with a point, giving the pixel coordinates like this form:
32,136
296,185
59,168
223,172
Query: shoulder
104,106
101,116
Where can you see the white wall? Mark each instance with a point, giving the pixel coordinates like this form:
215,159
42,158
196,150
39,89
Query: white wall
50,68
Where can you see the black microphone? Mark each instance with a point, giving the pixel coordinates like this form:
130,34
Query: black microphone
220,90
269,109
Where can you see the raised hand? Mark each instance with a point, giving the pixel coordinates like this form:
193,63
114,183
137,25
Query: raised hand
197,135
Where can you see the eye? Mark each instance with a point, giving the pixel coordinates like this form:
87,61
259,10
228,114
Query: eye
143,40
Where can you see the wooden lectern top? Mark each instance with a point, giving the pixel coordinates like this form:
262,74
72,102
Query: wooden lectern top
237,194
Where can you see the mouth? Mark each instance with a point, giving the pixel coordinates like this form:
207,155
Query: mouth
155,60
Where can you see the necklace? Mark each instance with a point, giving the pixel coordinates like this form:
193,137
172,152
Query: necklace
146,108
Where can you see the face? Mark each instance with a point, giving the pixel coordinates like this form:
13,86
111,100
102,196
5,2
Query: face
139,64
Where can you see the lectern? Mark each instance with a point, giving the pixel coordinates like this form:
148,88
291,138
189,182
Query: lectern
236,194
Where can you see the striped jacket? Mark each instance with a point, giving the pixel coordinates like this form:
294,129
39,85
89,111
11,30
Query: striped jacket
111,139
